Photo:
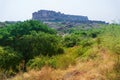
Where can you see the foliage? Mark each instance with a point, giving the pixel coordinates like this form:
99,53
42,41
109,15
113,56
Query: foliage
30,38
70,40
39,43
37,63
9,59
111,40
10,34
61,61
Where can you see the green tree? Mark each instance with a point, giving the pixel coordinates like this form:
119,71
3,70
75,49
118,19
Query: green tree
37,44
10,34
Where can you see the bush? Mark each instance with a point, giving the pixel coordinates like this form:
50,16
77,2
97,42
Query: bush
71,40
9,60
59,61
37,44
37,63
10,34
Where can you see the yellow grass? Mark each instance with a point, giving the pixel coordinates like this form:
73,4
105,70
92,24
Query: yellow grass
92,69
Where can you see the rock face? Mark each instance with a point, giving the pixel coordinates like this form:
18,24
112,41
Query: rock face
47,15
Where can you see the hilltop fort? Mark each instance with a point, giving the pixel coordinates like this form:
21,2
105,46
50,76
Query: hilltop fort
47,15
52,16
61,21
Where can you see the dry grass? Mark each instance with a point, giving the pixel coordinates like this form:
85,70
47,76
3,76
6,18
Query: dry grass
93,69
46,73
97,69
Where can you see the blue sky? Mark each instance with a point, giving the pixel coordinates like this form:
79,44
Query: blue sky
14,10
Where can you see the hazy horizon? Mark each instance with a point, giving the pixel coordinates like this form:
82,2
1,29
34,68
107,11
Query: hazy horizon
20,10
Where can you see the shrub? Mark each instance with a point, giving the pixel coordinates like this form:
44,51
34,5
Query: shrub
9,60
58,61
37,63
71,40
37,44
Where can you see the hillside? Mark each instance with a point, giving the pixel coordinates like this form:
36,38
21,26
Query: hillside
63,22
31,50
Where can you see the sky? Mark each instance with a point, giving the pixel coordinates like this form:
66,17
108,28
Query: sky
20,10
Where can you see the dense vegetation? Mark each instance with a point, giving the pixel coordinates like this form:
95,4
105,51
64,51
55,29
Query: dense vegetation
23,41
32,45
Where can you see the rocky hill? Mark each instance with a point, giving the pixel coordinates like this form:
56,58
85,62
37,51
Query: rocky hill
61,21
